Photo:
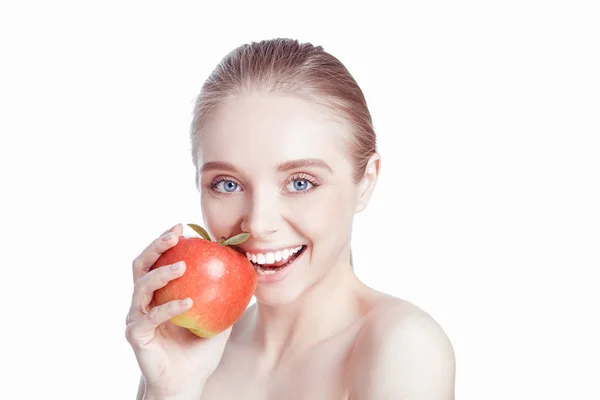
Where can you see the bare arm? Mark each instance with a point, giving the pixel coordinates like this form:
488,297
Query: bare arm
141,389
143,395
403,356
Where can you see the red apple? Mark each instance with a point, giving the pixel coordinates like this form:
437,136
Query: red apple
220,280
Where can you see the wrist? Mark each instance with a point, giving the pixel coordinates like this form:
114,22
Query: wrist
157,394
182,396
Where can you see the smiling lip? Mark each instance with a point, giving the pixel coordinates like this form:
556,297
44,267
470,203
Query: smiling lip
264,251
270,275
271,257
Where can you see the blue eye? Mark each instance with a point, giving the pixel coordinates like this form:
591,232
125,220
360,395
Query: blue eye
226,186
300,185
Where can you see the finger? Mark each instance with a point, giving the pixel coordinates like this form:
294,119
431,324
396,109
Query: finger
171,229
141,332
145,287
147,258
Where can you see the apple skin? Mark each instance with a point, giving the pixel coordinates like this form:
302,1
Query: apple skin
219,280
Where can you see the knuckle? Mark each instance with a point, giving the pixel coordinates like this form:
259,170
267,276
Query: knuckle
129,334
136,264
148,283
166,275
154,315
146,280
158,277
133,337
159,246
161,281
138,287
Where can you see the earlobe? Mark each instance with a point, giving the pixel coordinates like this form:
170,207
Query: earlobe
367,185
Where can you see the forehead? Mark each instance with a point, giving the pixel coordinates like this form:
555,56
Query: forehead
263,129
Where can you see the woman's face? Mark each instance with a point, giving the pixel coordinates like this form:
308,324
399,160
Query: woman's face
277,167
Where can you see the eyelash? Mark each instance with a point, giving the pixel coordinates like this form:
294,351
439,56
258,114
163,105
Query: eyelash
304,177
297,177
212,186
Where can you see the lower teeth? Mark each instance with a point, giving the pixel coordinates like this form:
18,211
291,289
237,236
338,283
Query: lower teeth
271,271
266,271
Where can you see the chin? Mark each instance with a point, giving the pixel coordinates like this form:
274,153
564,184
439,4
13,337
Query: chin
274,298
285,285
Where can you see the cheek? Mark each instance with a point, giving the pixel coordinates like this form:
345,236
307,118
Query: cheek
219,215
327,216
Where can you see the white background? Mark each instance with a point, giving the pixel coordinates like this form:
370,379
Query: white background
486,214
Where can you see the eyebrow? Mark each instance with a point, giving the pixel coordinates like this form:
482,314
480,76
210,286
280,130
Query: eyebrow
303,163
217,165
286,166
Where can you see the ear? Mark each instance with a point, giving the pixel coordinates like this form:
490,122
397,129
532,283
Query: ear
368,182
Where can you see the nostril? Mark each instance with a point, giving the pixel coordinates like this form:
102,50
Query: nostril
258,230
262,234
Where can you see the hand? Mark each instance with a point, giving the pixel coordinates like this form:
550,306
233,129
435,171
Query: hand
173,361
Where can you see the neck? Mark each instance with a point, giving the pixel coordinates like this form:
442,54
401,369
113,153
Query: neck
320,312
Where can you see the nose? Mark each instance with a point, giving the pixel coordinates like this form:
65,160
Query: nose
261,218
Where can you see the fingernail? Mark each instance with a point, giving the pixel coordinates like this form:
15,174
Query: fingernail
167,236
186,302
177,266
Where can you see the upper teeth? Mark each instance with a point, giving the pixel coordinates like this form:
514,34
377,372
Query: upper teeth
272,257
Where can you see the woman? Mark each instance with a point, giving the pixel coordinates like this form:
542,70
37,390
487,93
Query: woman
285,150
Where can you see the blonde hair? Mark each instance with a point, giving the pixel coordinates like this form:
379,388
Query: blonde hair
285,65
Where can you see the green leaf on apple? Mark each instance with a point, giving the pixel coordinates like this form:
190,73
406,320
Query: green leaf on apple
201,231
237,239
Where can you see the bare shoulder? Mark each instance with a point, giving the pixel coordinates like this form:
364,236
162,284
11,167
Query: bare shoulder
401,352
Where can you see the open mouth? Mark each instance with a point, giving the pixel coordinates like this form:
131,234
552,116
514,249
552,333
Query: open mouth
273,267
282,264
